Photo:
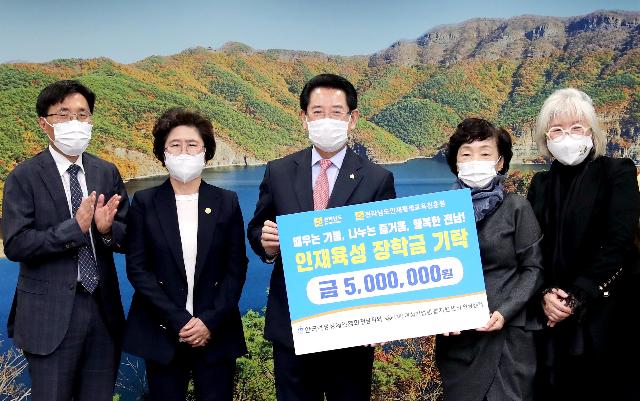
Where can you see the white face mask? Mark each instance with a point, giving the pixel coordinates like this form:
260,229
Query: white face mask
184,167
328,134
571,151
71,137
477,173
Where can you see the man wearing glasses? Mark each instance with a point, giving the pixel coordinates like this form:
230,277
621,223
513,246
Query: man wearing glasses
328,174
63,217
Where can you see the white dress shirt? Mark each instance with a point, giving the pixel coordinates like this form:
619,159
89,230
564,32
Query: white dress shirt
187,206
332,171
62,163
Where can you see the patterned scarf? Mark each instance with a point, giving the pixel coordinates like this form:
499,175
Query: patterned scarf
485,200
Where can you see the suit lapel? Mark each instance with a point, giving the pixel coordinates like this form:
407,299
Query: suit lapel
208,212
347,180
302,181
165,205
53,182
92,178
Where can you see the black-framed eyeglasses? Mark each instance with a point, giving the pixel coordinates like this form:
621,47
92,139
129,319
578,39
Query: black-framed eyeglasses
68,116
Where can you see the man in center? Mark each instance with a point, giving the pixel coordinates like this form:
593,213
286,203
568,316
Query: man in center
326,175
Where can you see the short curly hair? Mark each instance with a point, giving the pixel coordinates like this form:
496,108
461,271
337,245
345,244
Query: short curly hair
176,117
478,129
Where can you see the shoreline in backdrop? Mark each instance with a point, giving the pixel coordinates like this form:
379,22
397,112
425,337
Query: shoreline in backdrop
237,165
261,163
416,176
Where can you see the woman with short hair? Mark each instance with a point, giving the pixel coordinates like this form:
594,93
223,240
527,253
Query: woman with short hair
186,261
588,206
496,362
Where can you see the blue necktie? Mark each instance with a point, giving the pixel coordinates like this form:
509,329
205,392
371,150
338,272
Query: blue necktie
86,262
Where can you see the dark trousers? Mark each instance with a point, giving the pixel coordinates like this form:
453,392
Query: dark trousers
592,376
85,365
340,375
587,378
213,381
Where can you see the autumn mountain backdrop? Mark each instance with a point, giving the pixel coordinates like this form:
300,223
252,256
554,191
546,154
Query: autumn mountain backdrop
412,94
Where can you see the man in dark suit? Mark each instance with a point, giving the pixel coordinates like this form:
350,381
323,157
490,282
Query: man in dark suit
326,175
63,216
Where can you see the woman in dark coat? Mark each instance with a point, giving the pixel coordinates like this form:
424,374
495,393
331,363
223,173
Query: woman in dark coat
496,362
187,263
588,206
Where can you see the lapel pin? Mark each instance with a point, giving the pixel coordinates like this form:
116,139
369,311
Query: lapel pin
352,176
207,210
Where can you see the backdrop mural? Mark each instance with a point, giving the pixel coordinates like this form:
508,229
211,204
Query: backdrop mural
412,94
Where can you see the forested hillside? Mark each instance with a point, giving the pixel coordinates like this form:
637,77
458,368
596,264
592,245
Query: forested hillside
412,94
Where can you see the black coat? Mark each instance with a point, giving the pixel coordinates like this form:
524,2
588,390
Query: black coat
285,189
155,267
599,224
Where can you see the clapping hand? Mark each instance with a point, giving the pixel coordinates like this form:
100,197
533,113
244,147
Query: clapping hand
105,213
84,214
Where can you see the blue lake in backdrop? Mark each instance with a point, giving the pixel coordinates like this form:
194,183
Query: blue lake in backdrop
418,176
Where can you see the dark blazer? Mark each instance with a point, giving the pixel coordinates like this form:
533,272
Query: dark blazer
40,233
155,267
285,189
599,227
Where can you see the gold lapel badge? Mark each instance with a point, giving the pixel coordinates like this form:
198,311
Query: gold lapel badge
207,210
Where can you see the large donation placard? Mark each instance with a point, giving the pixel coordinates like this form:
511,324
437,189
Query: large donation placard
383,271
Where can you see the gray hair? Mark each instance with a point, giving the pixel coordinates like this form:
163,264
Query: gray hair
573,103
